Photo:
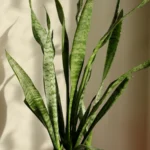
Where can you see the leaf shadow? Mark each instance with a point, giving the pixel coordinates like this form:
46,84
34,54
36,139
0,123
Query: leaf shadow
3,107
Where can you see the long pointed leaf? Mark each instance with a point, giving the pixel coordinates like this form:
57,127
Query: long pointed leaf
112,47
45,41
79,9
78,51
33,97
40,34
116,94
105,38
88,68
50,84
77,104
65,47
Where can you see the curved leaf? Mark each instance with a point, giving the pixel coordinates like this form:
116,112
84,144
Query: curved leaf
110,88
45,40
33,97
40,34
116,94
104,39
112,47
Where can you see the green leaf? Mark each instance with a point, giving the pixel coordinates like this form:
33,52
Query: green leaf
49,76
48,20
40,34
143,3
116,94
110,88
105,38
83,117
65,46
33,97
78,104
50,84
79,9
88,68
60,112
112,47
116,11
78,51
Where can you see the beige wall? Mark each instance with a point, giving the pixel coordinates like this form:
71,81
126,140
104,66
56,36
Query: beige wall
125,126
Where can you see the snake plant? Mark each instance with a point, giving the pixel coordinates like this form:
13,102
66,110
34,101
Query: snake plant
76,131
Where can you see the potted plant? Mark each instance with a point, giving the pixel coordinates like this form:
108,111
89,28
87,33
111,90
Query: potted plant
76,131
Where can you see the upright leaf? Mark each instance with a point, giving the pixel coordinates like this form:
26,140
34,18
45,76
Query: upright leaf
48,20
102,42
78,50
112,47
105,38
79,9
78,105
33,97
40,34
44,38
65,46
50,84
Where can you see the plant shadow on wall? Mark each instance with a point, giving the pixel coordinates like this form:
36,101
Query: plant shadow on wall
16,3
38,135
3,107
76,133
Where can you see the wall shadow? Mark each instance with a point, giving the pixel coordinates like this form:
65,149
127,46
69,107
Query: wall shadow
38,134
3,107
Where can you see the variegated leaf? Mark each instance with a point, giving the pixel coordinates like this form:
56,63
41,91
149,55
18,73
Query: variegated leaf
45,40
33,97
78,50
65,46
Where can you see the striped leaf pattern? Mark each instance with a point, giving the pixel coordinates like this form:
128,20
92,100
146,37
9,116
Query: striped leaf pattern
33,97
45,40
78,50
39,32
112,47
76,133
65,47
50,83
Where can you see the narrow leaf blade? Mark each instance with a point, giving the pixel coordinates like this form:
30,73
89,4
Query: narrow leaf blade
116,94
112,47
79,9
78,50
33,97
